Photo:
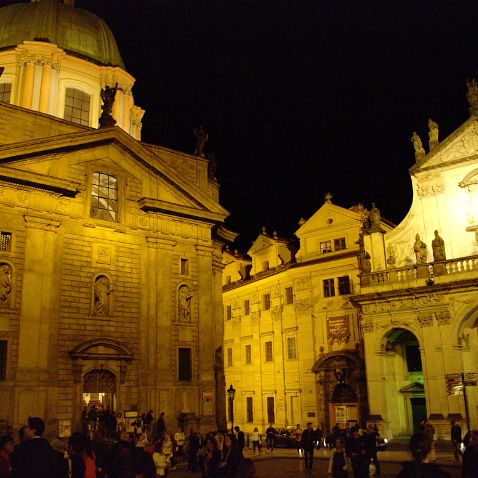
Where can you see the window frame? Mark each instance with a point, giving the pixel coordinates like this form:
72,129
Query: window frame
228,312
120,195
249,409
268,351
291,356
8,242
181,364
289,295
344,286
4,90
328,287
248,354
70,117
325,247
229,357
342,244
266,300
247,307
184,266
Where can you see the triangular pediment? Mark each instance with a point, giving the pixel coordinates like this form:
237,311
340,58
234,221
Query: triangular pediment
328,217
414,387
459,146
49,159
261,244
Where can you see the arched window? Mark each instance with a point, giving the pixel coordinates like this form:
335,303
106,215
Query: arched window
77,106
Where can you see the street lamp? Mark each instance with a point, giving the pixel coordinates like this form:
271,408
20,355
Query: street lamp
231,391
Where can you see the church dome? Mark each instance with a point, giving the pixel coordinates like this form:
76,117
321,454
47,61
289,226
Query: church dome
77,31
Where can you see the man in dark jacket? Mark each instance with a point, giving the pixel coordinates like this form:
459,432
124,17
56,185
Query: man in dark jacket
370,439
355,448
34,458
241,441
308,445
456,439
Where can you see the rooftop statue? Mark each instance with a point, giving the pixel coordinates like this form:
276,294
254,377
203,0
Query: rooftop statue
201,140
420,249
417,145
438,247
432,134
472,96
108,97
374,218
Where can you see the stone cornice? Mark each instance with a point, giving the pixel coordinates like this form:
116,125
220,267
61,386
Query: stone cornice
43,223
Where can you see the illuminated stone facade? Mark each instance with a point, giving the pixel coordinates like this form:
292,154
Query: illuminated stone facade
110,273
292,345
419,298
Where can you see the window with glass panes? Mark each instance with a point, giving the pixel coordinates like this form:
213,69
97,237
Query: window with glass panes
249,409
267,301
229,357
291,348
289,295
5,241
77,106
344,285
339,244
329,289
185,369
5,92
325,247
184,267
268,351
247,307
104,197
228,312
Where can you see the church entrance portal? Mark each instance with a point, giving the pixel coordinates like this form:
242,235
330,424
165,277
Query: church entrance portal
99,389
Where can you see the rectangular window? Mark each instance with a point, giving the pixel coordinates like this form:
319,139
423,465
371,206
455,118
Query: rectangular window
344,285
5,92
228,280
339,244
267,301
229,357
247,307
3,359
248,353
268,351
104,197
289,295
325,247
77,106
271,416
228,312
184,267
291,348
414,360
250,409
265,266
185,371
5,241
329,289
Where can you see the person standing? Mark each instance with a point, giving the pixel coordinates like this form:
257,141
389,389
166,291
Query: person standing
298,439
355,447
470,457
429,431
179,438
34,457
455,433
6,449
270,437
161,427
308,445
339,461
241,440
255,441
370,439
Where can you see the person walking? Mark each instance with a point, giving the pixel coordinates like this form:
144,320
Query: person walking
308,445
355,447
470,457
339,462
421,466
456,439
160,427
298,439
256,441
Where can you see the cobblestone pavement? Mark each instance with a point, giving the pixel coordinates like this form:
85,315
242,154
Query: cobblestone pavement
287,467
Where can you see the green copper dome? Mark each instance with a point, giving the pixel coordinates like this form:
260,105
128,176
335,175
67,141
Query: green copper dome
75,30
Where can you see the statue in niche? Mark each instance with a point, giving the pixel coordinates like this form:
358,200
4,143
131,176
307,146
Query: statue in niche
432,134
102,291
108,94
6,283
201,140
340,374
184,303
438,247
420,249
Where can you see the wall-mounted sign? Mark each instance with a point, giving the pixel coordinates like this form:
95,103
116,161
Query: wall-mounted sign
338,329
454,384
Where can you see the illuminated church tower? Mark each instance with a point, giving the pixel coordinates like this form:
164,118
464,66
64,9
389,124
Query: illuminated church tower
57,58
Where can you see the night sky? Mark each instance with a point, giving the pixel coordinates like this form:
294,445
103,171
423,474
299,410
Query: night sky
299,97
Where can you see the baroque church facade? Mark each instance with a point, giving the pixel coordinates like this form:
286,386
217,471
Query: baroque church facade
110,248
386,315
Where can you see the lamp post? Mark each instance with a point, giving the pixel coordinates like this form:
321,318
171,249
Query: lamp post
231,391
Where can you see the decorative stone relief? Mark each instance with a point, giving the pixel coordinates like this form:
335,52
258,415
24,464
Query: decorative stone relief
425,320
6,284
302,306
235,305
465,146
275,293
255,315
302,284
367,326
184,303
255,298
103,255
276,312
443,317
102,290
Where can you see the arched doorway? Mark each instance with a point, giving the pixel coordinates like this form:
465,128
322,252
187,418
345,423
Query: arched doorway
404,380
341,390
99,389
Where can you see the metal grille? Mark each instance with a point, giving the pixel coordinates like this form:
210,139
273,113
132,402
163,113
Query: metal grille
5,240
99,381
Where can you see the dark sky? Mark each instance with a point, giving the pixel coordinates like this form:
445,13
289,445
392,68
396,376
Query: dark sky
299,97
